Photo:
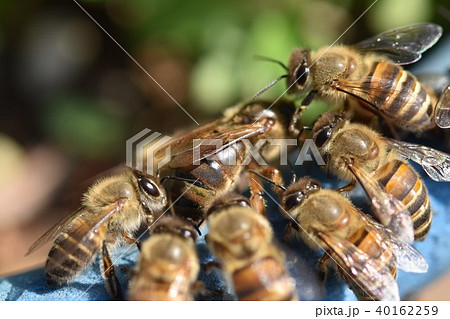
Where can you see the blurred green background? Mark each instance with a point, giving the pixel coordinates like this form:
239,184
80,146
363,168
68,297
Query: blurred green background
70,97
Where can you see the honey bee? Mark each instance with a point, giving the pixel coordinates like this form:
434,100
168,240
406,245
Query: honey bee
112,210
369,74
168,265
396,191
218,167
242,239
363,252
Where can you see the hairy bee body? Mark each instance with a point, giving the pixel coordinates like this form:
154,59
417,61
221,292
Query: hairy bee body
398,95
68,256
402,181
264,279
168,265
167,270
369,74
326,219
219,167
371,81
113,209
242,240
77,244
373,154
367,240
217,175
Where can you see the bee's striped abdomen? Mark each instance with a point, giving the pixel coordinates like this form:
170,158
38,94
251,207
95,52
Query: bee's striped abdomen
367,240
402,181
68,255
161,291
398,94
264,279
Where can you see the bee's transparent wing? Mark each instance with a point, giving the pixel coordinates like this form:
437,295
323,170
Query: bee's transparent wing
369,274
442,116
435,163
55,230
409,259
390,211
403,45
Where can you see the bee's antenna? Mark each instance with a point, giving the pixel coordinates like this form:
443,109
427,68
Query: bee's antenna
189,180
267,179
264,58
269,86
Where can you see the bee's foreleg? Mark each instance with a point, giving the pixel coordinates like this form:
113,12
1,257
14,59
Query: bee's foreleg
322,265
257,191
348,187
257,195
297,115
111,281
289,231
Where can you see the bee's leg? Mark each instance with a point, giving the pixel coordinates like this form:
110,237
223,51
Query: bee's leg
170,204
129,239
347,188
257,191
306,101
275,176
111,281
289,231
323,270
256,195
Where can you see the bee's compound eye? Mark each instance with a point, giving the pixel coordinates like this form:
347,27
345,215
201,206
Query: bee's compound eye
293,201
323,136
149,187
301,74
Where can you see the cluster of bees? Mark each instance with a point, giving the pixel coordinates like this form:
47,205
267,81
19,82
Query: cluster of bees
366,250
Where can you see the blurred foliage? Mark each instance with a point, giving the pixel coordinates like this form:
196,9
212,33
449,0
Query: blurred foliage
64,81
80,126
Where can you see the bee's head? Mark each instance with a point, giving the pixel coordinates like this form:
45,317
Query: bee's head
299,79
175,225
152,194
227,201
325,126
295,195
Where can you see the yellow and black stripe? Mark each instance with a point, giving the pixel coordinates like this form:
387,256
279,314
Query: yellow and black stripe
402,181
69,255
367,240
398,94
264,279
